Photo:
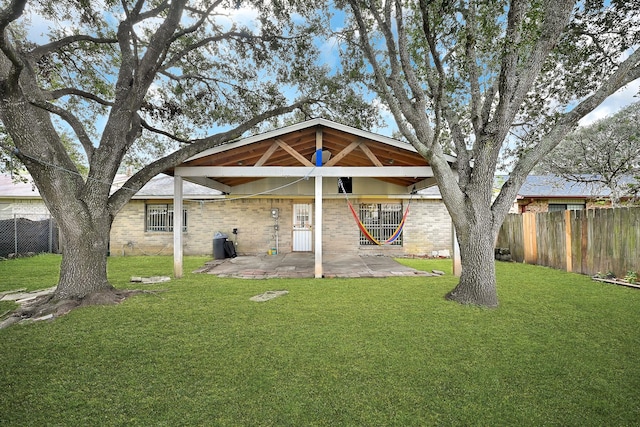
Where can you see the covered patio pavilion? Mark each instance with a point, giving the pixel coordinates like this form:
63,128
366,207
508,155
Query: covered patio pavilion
313,150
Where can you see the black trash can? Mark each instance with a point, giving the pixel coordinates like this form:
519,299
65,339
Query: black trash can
219,240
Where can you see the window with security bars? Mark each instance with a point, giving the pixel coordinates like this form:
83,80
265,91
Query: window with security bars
555,207
381,220
159,217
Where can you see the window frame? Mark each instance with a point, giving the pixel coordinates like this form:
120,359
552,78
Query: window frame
561,207
165,223
381,220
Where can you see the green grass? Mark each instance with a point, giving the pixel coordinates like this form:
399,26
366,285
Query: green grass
560,350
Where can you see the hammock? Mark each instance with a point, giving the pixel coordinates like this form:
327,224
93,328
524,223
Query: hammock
366,232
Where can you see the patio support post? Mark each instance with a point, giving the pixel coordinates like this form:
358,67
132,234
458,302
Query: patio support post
177,227
318,208
457,263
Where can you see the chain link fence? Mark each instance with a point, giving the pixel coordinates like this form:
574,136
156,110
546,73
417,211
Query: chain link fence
28,233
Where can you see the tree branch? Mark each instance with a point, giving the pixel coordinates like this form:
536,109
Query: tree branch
7,15
169,135
382,84
204,15
59,93
517,85
75,124
46,49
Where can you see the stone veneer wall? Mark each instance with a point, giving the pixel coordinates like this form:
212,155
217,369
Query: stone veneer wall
428,228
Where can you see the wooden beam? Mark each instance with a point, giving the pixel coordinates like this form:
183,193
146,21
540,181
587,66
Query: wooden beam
210,183
319,139
370,154
425,183
300,171
267,154
346,150
299,157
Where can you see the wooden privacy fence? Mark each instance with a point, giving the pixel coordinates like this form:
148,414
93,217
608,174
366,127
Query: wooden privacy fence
587,241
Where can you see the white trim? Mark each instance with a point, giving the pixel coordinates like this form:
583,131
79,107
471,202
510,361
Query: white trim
299,171
317,229
177,227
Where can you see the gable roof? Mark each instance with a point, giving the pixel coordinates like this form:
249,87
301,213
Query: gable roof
295,146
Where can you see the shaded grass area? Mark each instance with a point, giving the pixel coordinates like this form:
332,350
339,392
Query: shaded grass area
560,350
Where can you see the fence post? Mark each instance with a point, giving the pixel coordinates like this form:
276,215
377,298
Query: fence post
567,240
15,235
529,235
50,234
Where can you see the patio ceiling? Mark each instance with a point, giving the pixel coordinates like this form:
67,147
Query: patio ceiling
352,151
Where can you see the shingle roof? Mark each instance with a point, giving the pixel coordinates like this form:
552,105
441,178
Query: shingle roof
556,186
160,186
18,190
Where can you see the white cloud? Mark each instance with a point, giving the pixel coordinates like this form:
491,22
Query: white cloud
329,52
243,16
623,97
387,118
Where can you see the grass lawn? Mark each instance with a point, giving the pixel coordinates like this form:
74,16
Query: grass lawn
560,350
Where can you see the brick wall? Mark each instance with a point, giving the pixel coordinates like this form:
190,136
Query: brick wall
428,228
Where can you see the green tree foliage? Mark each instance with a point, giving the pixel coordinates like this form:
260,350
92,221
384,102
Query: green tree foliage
476,76
605,154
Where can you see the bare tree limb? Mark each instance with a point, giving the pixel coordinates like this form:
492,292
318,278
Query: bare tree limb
59,93
60,44
75,124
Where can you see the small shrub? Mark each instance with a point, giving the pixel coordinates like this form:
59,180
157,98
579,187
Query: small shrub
631,277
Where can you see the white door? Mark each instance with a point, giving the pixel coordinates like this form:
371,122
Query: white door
302,234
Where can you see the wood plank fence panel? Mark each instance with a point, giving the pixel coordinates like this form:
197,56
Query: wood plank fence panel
577,223
588,242
550,235
512,232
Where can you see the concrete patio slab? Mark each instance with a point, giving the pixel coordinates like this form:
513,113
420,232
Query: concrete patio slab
301,265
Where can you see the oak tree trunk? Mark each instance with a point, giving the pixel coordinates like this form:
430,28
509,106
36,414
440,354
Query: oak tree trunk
83,269
478,278
477,283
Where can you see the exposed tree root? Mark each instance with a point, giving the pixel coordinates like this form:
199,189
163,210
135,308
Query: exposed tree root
468,298
48,307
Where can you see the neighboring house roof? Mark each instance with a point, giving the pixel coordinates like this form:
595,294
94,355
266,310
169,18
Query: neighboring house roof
159,187
17,190
554,186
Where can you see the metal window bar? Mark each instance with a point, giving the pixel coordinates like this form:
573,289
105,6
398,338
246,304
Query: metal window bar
160,218
381,220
